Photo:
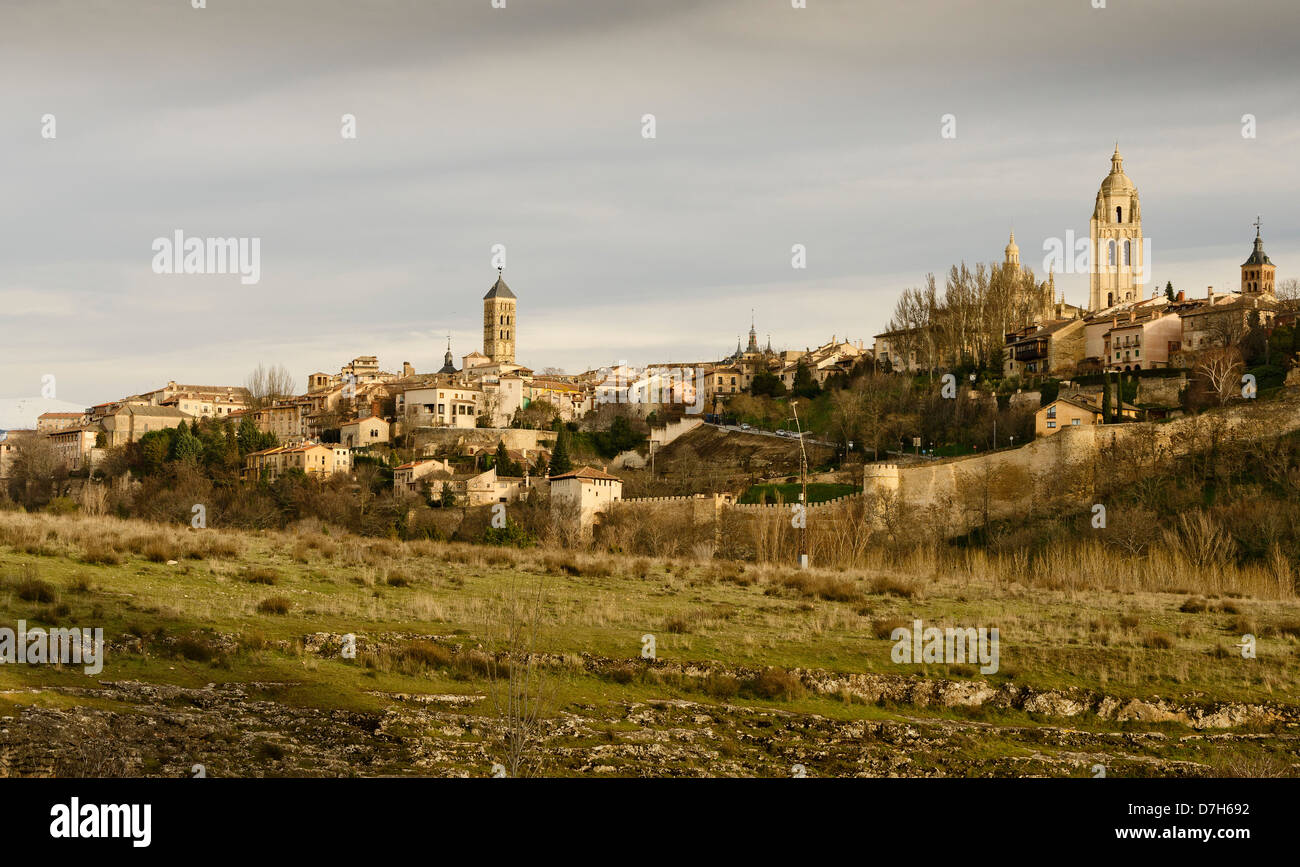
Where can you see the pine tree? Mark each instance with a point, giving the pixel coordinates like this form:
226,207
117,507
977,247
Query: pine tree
503,464
249,437
1105,399
804,384
560,462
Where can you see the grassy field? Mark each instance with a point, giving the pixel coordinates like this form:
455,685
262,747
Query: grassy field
224,650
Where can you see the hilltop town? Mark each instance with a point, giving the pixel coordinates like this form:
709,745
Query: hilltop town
994,360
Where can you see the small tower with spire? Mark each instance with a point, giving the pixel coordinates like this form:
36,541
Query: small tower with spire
1012,251
1258,271
448,366
753,334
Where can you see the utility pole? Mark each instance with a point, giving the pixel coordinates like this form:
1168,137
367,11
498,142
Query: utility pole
803,493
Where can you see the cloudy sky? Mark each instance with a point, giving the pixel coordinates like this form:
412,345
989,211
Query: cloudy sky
523,127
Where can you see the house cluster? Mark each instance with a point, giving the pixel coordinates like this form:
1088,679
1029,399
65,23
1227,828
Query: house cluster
736,373
80,439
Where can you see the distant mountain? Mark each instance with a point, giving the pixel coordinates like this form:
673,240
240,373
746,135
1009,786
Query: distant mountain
19,413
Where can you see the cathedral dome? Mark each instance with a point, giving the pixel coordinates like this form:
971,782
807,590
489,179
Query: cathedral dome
1116,181
1012,251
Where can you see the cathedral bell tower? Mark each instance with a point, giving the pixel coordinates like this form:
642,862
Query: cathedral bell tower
1116,235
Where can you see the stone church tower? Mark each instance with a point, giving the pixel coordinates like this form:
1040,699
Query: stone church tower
1116,235
1258,272
499,322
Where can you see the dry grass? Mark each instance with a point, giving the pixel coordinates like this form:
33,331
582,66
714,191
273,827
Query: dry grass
274,605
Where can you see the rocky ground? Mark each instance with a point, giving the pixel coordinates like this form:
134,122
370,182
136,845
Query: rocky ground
884,725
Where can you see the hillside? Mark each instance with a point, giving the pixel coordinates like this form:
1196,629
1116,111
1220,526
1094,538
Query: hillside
224,649
738,454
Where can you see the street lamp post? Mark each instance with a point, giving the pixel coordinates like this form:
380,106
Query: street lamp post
803,492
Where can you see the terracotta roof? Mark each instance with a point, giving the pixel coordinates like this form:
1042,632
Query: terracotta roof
418,463
587,473
1085,402
60,415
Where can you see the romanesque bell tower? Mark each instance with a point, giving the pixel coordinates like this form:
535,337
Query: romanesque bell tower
1116,235
1258,272
499,322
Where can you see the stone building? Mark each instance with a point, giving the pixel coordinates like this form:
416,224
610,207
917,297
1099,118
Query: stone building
132,421
361,432
585,492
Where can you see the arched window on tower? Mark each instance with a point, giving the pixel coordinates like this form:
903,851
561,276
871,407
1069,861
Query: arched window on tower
1128,252
1110,252
1119,215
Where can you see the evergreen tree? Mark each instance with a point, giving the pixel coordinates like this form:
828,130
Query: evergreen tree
448,498
249,437
503,464
185,446
560,462
1169,290
766,384
804,384
1105,399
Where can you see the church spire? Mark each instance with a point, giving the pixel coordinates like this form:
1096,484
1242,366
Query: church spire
447,365
1012,251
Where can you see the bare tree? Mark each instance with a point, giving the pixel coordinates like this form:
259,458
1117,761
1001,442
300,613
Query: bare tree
267,384
1288,293
521,692
1221,368
847,411
38,474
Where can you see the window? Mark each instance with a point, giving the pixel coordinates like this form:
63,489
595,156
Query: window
1119,215
1051,411
1074,422
1052,424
